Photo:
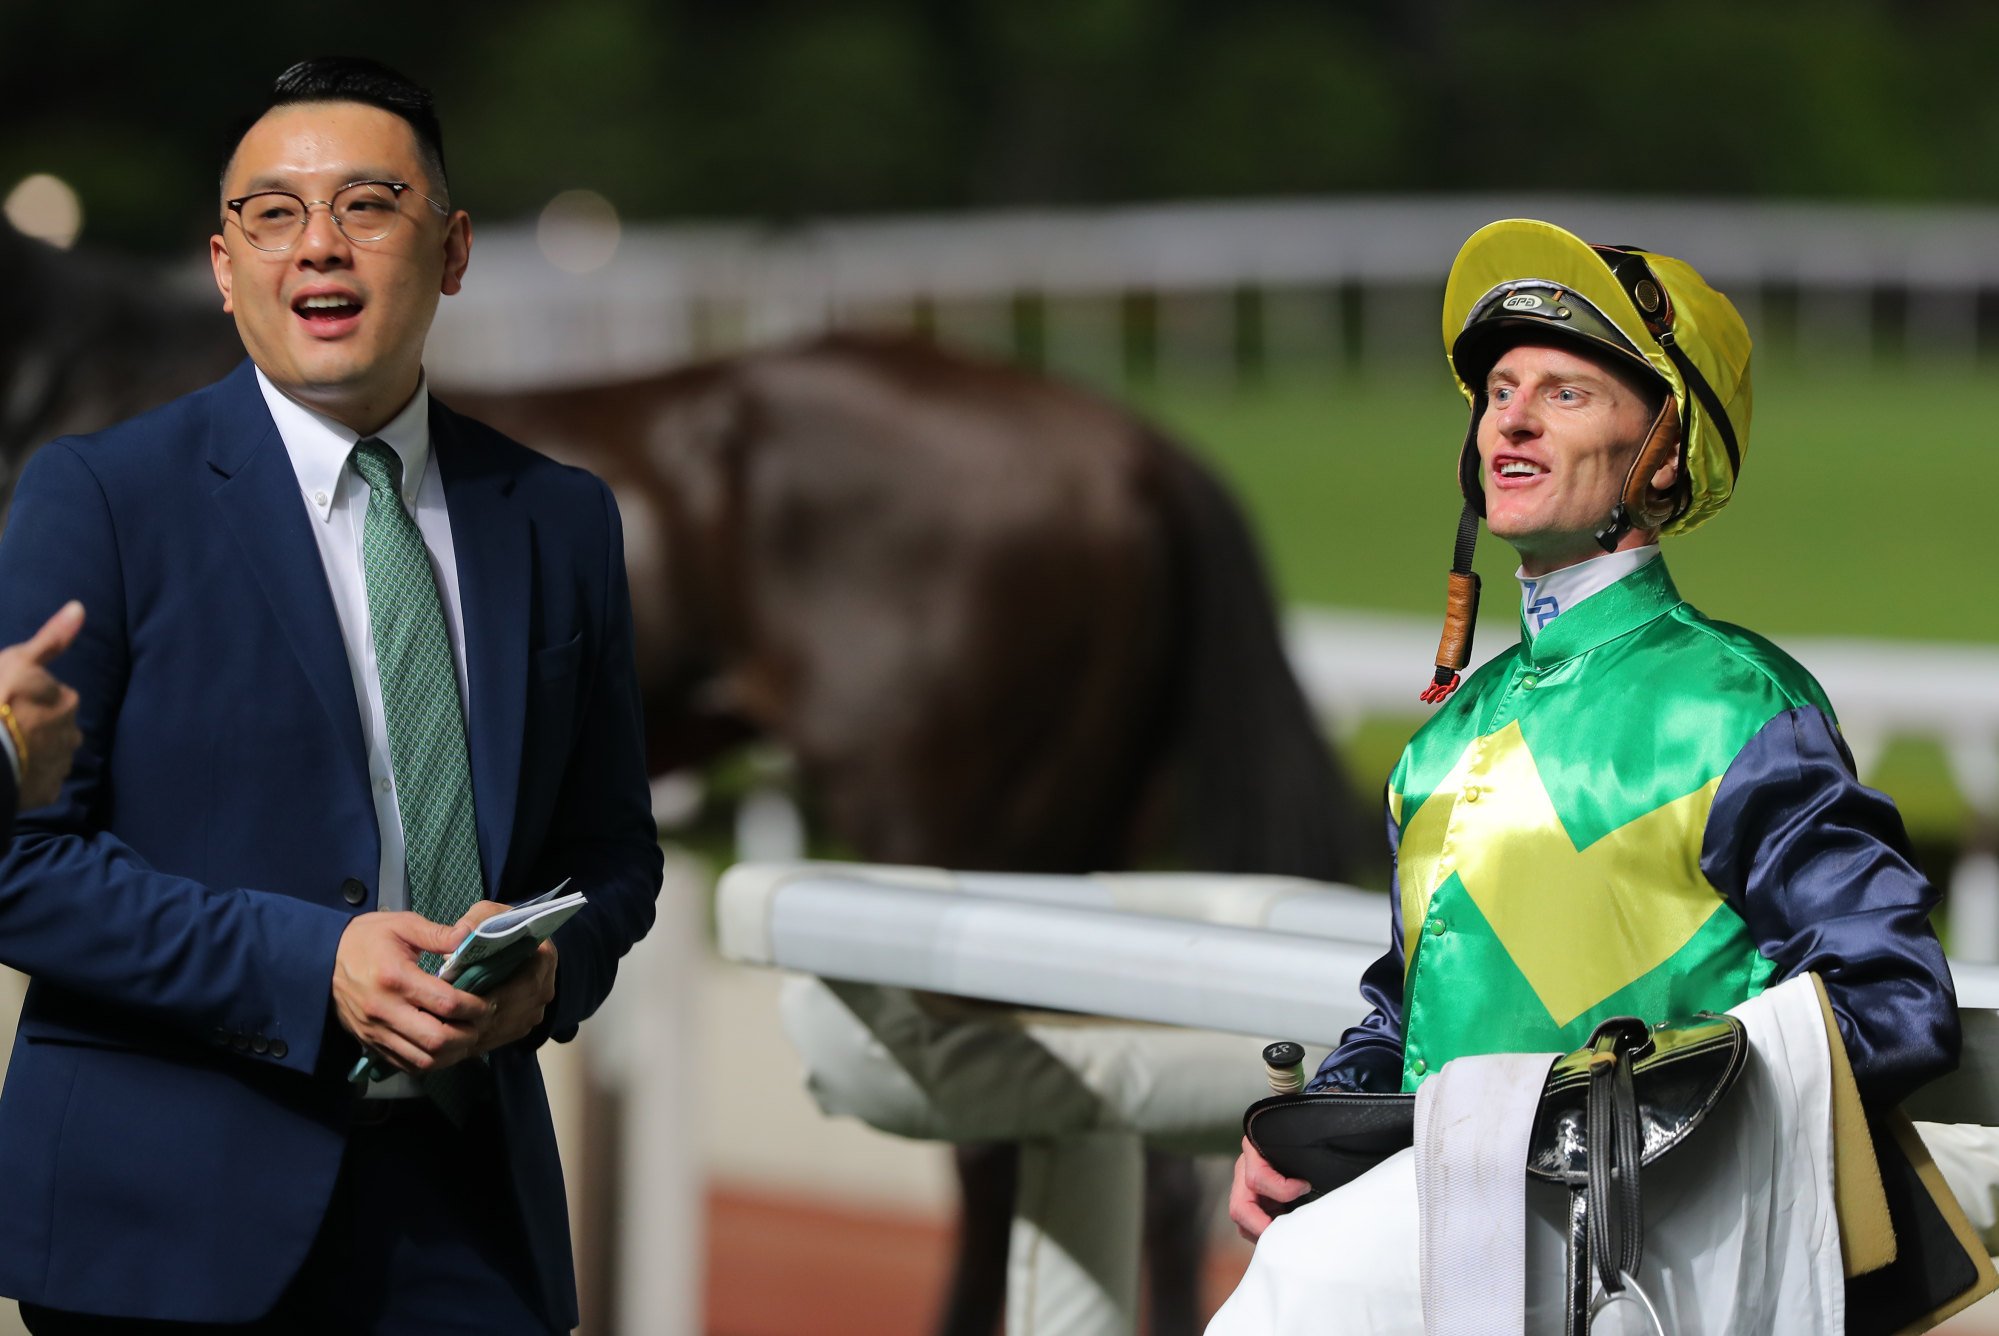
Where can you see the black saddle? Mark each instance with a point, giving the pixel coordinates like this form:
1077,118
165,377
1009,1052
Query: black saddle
1633,1094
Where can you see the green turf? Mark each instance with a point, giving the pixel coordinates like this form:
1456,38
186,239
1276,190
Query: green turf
1865,507
1864,510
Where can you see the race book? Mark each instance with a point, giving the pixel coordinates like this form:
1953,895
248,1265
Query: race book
492,952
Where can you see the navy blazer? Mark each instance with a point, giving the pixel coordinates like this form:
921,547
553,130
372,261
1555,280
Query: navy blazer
175,1111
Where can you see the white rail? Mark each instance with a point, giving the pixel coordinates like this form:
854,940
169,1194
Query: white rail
1190,951
669,292
1264,957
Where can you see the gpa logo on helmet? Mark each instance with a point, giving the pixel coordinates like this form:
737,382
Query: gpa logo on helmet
1522,301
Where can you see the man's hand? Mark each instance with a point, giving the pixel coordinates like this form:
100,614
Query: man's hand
1258,1191
44,709
412,1019
516,1007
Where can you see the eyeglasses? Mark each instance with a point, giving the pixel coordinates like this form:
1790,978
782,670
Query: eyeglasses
273,220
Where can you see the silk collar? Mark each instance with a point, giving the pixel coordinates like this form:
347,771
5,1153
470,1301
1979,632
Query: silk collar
1640,598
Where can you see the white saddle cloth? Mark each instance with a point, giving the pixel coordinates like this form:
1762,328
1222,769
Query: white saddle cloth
1740,1231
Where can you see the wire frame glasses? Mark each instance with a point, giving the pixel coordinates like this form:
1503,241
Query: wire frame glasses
273,220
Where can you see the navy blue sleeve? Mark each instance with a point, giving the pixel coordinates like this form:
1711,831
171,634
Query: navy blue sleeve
1369,1057
79,909
1818,866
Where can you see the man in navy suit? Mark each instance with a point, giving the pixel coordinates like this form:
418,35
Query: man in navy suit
356,671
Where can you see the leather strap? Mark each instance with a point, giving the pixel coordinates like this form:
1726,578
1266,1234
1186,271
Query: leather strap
1624,1123
1460,611
1648,507
1641,505
1576,1310
1616,1222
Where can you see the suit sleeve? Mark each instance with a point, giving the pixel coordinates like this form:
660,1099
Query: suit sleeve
1369,1057
1818,866
79,909
602,833
10,799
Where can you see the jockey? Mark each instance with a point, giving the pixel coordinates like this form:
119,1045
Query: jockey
1634,810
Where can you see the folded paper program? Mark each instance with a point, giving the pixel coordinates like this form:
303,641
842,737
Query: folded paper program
491,953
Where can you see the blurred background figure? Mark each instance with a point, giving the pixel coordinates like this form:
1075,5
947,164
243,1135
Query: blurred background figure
1162,246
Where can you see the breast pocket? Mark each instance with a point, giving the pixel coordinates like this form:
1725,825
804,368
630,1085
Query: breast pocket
553,689
559,661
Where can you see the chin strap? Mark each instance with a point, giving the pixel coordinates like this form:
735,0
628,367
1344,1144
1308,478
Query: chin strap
1460,612
1611,534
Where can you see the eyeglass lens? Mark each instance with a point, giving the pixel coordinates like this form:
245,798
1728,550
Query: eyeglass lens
364,211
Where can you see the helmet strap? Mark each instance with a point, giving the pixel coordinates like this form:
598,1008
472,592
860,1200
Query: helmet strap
1643,506
1613,531
1460,611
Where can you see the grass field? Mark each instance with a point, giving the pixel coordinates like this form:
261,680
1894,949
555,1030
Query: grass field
1865,506
1864,510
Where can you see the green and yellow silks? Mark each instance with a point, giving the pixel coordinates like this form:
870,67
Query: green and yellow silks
1551,820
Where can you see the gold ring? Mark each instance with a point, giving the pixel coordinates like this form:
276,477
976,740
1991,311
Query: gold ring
14,731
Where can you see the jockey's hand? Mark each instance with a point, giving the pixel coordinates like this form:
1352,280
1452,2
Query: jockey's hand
1260,1192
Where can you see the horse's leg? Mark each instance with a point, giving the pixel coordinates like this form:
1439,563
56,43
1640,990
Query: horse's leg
988,1172
1176,1220
1175,1240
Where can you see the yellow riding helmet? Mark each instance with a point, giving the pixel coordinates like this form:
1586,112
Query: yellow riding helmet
1519,280
1651,308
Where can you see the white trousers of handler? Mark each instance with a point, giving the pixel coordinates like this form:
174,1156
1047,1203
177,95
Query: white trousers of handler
1740,1230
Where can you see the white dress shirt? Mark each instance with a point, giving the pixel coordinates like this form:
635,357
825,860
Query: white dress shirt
336,502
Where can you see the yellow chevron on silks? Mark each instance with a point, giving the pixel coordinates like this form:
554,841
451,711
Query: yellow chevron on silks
1579,923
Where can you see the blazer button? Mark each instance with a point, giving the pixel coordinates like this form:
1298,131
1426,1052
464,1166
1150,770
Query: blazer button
279,1048
352,891
240,1042
259,1044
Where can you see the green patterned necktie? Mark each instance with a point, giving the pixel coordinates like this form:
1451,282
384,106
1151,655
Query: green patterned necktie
419,700
425,723
426,729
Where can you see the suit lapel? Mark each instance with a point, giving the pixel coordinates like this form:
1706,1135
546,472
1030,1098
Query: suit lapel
490,536
258,497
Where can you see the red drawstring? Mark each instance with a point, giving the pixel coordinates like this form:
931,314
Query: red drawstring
1435,693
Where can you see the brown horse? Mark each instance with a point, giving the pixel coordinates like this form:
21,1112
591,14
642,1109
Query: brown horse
998,622
990,615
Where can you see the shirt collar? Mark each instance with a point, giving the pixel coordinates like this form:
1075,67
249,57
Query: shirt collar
1546,597
320,448
1643,596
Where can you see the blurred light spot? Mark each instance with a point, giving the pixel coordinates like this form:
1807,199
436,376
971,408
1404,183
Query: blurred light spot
578,231
45,208
677,799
